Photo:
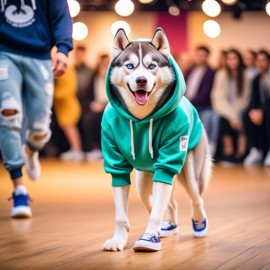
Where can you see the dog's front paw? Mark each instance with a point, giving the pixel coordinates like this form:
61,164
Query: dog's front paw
114,244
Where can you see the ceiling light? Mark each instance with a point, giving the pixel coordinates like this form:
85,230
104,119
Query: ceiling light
229,2
174,10
211,8
211,29
146,1
124,7
80,31
120,24
267,8
74,7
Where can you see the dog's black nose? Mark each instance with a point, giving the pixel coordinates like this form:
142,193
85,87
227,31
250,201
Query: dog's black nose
141,81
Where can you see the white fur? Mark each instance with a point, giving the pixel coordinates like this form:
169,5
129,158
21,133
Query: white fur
157,196
157,82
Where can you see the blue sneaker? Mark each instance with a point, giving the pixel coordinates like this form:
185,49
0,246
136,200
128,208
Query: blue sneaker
168,229
148,242
20,199
200,228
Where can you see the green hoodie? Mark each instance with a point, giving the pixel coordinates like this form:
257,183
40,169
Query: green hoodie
157,144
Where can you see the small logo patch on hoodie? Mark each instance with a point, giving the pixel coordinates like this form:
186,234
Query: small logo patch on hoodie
183,143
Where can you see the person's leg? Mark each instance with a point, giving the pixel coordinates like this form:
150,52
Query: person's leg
10,127
254,140
267,135
211,124
241,145
227,141
37,101
93,127
73,136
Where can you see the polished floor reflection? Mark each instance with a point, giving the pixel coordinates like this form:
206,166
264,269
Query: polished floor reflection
73,214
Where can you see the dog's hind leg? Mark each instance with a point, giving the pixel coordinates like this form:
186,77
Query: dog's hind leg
119,240
150,239
197,171
144,185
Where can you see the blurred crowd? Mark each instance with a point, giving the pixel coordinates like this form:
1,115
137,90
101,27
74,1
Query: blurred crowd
233,101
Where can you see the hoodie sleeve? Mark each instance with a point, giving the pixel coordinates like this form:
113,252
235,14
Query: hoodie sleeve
114,162
172,153
61,25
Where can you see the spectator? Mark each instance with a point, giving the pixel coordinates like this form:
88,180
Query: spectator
184,62
199,80
230,97
84,74
28,31
222,59
96,102
257,118
67,110
250,62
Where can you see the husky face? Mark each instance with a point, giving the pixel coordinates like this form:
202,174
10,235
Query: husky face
141,73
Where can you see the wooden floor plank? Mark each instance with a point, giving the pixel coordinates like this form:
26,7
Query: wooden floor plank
73,216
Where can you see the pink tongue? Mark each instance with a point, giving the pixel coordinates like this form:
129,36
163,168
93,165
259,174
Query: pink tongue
141,97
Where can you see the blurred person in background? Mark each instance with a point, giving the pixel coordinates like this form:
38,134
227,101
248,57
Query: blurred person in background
68,111
230,98
199,81
250,62
96,102
27,36
222,59
184,61
84,74
257,117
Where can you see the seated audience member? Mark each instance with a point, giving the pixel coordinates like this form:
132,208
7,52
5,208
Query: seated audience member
230,98
96,102
184,61
199,81
257,117
250,62
222,59
84,74
67,110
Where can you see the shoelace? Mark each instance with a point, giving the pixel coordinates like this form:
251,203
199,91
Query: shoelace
166,225
147,236
199,224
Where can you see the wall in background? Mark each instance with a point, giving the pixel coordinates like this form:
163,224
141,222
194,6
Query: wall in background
251,31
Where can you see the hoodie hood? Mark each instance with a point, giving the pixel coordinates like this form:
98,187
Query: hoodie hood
167,108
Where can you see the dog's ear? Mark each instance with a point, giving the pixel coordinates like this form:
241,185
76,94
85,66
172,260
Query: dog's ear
120,42
160,42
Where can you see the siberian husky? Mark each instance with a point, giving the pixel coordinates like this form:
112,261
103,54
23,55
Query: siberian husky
142,80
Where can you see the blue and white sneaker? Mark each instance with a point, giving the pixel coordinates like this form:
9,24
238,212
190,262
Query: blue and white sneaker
148,242
168,229
200,228
20,199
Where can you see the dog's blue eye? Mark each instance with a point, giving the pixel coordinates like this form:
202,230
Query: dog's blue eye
152,66
129,66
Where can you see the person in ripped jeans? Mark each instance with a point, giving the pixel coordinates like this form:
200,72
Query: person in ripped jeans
28,31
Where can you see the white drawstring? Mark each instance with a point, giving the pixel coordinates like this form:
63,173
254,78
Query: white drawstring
132,139
151,138
34,4
2,5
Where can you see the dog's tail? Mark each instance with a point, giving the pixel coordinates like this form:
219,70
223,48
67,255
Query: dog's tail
205,171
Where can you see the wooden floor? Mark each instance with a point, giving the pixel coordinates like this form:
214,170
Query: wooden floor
73,215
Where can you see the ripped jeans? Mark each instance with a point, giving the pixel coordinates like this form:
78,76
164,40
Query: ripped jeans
26,85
